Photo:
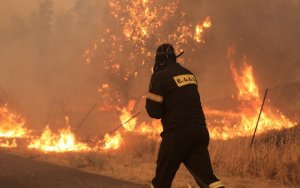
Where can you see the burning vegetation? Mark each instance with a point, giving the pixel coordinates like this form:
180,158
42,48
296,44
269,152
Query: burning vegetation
223,125
12,124
120,54
63,141
143,25
240,123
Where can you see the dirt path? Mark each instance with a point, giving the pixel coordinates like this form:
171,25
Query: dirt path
19,172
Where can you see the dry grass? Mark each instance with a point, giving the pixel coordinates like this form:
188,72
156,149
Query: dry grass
274,161
275,156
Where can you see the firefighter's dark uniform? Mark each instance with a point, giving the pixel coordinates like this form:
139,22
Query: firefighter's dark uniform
173,96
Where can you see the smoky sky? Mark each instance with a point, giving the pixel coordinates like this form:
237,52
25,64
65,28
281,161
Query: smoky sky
266,32
43,42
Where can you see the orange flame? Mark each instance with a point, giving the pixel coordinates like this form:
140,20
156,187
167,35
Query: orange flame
152,130
11,124
64,141
112,142
243,122
125,116
207,22
8,144
200,29
143,20
245,82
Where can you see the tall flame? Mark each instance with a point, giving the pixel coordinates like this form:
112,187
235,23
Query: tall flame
245,82
243,122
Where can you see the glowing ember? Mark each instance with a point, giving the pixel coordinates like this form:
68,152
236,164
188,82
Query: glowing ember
11,124
207,22
64,141
141,22
88,56
115,67
112,142
105,86
143,18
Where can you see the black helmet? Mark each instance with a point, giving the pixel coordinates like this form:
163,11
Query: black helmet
165,54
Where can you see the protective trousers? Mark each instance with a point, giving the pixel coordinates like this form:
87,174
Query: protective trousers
188,145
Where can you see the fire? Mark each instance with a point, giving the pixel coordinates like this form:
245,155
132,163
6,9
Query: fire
245,82
200,29
141,22
125,116
8,144
144,24
231,124
112,142
12,124
152,130
64,141
207,22
130,124
142,17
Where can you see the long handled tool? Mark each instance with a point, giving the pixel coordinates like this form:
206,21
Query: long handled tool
85,117
124,123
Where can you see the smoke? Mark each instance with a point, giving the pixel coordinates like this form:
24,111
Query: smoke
42,68
42,47
266,32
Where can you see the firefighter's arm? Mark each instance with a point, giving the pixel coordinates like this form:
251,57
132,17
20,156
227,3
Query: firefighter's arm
154,99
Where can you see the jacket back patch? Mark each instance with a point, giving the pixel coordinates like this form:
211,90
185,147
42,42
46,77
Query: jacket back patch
185,79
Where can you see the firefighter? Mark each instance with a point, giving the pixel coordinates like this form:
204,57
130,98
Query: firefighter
174,98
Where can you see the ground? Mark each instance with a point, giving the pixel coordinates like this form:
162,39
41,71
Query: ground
20,172
24,171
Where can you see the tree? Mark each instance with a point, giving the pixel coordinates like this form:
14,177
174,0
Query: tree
124,52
